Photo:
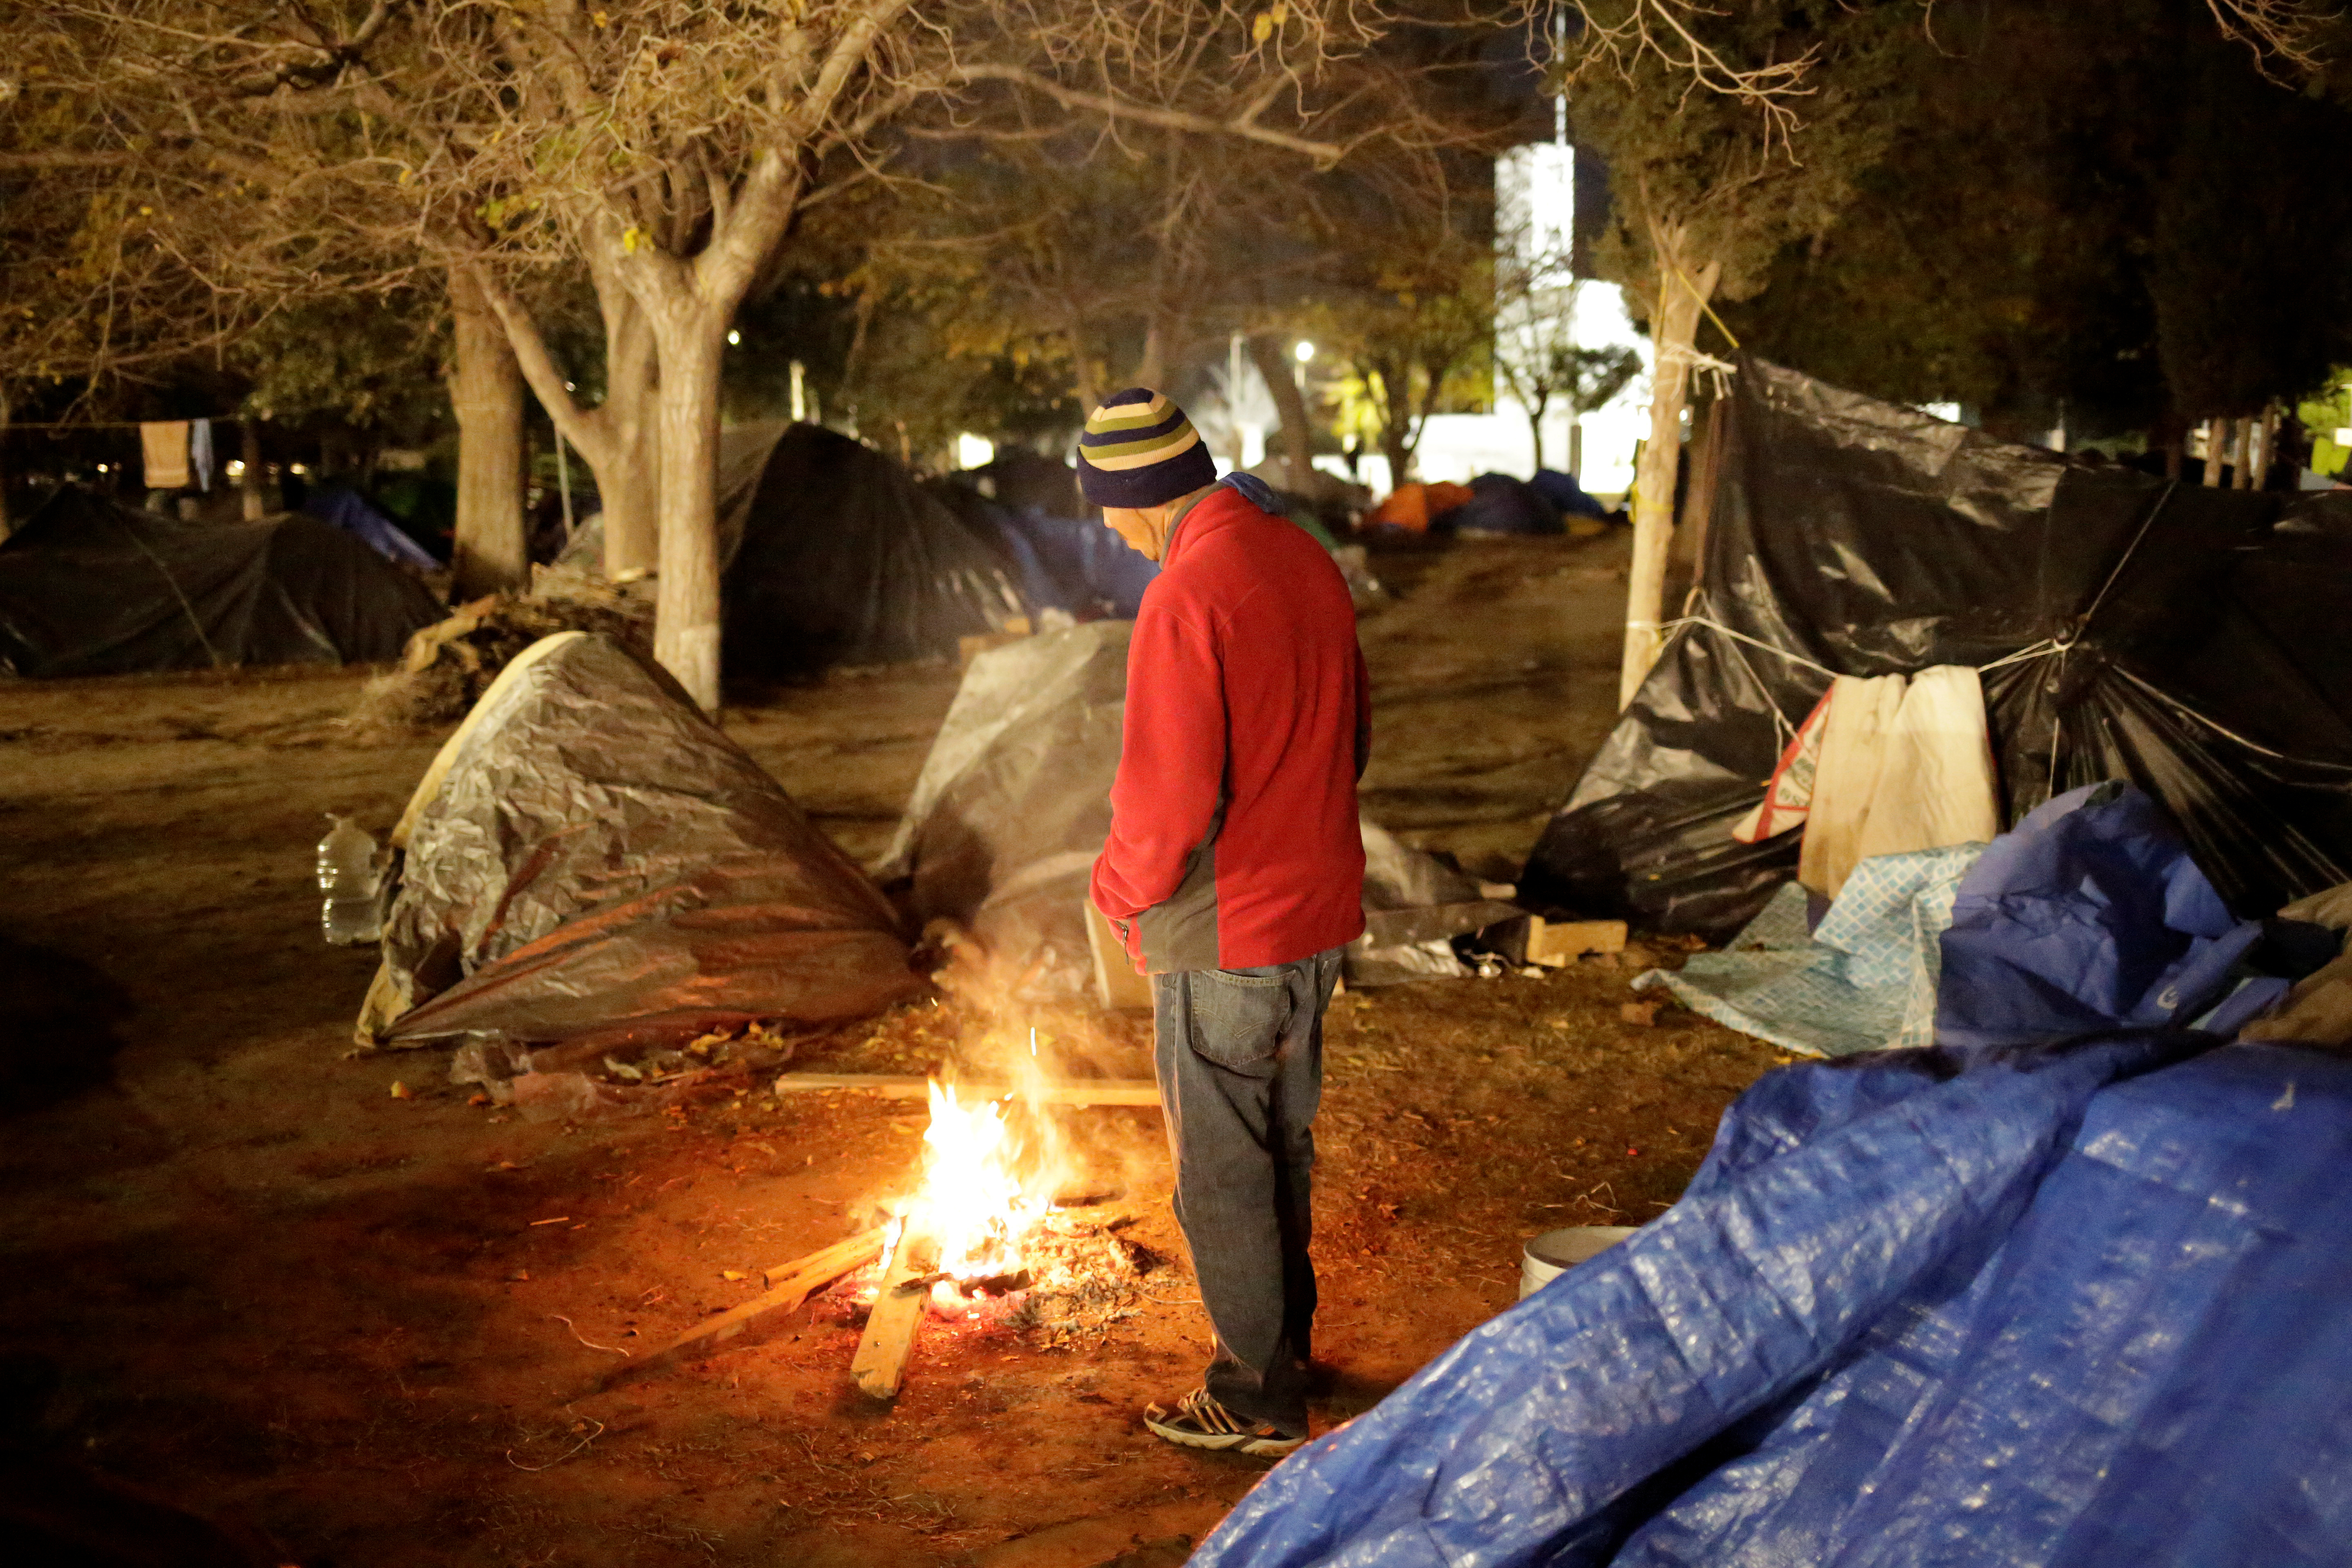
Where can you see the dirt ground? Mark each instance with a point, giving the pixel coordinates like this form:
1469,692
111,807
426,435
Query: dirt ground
372,1327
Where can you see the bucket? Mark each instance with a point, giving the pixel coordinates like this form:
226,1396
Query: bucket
1555,1252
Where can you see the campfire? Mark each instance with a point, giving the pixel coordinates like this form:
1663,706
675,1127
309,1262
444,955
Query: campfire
996,1232
972,1206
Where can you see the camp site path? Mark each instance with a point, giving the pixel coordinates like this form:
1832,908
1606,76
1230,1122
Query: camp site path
269,1289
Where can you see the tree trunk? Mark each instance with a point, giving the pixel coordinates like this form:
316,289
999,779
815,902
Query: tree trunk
249,453
1153,371
1290,405
2241,442
2217,437
1674,327
686,611
485,389
628,482
1396,422
1090,388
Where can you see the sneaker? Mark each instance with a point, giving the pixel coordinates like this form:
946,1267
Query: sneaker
1200,1422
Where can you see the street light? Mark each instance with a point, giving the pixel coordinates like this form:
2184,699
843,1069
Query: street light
733,336
1304,351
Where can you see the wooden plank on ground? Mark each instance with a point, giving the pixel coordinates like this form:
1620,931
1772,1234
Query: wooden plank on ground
880,1364
788,1285
1561,943
1057,1091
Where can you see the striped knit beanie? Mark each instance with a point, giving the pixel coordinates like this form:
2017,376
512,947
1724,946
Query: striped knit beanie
1139,450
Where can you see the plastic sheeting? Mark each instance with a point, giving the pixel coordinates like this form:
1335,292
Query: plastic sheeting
2189,640
591,857
838,556
89,586
1014,804
1069,564
1865,979
832,553
2070,1308
2092,914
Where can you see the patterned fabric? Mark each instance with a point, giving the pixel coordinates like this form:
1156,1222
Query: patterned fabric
1863,981
1138,451
1789,797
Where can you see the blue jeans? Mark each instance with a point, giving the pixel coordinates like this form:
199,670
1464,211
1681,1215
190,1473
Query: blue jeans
1239,1054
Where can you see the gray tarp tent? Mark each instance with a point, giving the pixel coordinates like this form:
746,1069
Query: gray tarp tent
1012,805
591,857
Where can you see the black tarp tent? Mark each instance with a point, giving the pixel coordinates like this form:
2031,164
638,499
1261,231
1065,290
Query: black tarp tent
90,586
590,857
2189,640
832,553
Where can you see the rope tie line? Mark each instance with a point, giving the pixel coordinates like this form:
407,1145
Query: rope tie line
1700,362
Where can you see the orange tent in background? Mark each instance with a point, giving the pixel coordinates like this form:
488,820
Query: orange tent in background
1411,505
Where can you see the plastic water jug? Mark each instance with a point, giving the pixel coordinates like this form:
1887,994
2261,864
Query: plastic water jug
347,876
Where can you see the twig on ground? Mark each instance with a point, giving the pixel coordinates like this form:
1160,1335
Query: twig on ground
591,1344
567,1452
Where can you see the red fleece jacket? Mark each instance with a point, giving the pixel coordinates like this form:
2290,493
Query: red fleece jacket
1233,840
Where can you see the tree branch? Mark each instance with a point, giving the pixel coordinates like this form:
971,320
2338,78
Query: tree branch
1244,125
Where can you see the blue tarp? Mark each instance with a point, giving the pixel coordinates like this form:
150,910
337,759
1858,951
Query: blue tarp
2069,1306
1074,563
1501,504
2090,914
1566,496
350,510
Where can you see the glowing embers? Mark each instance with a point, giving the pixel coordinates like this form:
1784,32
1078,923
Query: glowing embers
973,1205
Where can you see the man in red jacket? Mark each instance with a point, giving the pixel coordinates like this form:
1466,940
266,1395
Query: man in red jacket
1235,872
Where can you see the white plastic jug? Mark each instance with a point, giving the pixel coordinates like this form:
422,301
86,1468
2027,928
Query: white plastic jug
347,876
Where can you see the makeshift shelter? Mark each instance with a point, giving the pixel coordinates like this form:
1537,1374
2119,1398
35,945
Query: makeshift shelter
1064,562
2090,915
1414,506
1501,504
838,556
2189,640
591,858
1014,804
2074,1307
352,512
832,553
1566,496
90,586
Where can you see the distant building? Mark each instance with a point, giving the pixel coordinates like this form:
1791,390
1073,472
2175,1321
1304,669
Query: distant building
1544,304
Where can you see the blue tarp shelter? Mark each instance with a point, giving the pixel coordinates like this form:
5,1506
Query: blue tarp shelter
2077,1305
350,511
1566,496
2054,1290
1074,563
1501,504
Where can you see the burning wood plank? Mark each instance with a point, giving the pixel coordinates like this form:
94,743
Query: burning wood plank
880,1366
788,1285
1057,1091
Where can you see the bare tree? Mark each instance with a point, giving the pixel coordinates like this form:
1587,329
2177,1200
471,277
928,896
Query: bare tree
1696,112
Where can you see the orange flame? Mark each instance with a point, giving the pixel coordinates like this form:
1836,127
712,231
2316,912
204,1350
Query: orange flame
972,1204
